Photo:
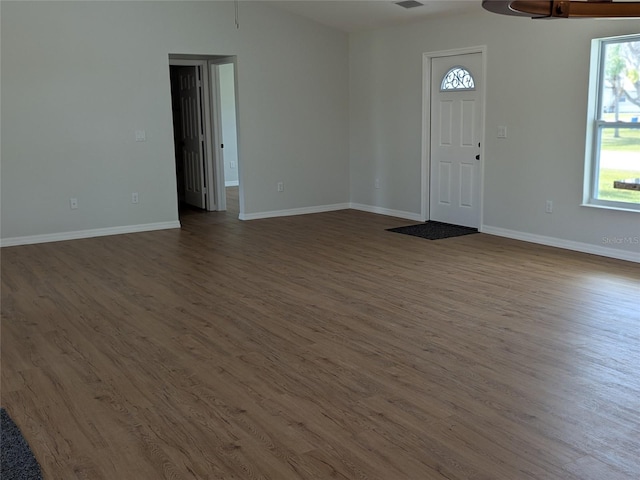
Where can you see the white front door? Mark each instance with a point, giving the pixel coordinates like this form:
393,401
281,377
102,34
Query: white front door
456,124
192,135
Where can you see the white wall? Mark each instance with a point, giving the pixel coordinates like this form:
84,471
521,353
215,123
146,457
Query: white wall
228,123
78,78
324,114
537,83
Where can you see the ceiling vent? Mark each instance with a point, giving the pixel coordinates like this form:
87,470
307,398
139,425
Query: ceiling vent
410,4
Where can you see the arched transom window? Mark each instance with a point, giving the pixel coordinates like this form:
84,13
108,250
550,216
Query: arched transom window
458,78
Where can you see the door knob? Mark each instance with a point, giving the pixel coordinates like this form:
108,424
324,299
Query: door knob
478,157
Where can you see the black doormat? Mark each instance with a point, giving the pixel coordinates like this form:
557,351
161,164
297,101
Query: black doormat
434,230
18,463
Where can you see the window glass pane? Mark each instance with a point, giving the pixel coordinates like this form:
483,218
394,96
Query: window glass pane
458,78
619,162
620,94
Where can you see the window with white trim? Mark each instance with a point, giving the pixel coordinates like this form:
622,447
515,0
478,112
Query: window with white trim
613,132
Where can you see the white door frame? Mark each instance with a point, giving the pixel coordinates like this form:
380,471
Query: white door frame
214,161
426,123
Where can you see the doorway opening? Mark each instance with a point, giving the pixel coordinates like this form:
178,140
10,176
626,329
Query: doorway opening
204,108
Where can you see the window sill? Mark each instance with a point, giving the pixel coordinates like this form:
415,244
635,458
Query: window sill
609,207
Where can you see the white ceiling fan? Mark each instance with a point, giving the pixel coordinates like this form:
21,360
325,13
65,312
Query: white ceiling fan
564,8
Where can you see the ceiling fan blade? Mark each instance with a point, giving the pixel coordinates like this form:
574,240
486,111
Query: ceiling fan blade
564,8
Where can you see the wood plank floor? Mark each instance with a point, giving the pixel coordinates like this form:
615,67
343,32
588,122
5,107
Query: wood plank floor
320,346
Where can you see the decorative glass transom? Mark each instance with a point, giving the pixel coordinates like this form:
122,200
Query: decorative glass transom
458,78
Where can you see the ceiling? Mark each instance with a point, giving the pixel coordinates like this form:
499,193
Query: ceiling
358,15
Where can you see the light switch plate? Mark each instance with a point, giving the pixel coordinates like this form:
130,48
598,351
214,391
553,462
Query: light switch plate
141,136
502,132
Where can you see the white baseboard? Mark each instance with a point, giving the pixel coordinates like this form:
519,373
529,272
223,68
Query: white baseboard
386,211
231,183
294,211
97,232
560,243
